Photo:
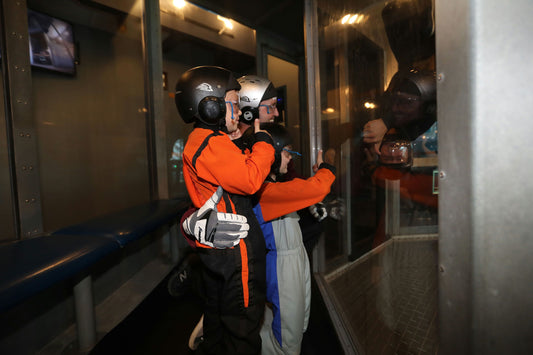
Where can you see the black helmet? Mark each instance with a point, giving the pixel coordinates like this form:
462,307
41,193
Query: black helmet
200,94
254,89
281,138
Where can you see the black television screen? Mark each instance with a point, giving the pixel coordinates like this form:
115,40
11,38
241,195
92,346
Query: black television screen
51,43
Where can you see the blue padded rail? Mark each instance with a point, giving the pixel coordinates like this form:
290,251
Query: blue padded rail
31,265
128,225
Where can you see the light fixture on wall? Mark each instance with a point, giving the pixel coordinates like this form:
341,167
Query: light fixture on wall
179,4
227,24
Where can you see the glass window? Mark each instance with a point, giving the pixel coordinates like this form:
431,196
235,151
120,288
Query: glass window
285,77
7,232
378,104
91,121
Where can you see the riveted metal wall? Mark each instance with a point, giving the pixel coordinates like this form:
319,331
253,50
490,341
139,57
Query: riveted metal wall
155,127
485,129
19,107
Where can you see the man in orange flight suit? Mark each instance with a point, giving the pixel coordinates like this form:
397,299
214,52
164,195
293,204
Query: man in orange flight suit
234,278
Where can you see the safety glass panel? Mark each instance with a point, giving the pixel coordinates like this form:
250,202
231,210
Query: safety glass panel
378,111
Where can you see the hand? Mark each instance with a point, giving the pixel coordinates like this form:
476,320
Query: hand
373,133
257,127
371,155
318,161
216,229
329,156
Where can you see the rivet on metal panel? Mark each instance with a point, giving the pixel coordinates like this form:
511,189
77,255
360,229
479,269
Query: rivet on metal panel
24,167
27,201
30,167
21,134
28,135
441,268
442,174
440,77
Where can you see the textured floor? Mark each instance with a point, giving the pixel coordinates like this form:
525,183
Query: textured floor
391,298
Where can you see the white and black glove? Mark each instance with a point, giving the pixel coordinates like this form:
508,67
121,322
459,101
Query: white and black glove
216,229
318,210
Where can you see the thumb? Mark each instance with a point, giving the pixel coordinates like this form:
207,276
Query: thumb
376,148
215,198
257,125
217,195
319,159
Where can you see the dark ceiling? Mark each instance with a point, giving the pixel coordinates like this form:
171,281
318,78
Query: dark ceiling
283,18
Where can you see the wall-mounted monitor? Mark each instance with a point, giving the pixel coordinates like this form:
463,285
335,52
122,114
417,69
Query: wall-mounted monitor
51,43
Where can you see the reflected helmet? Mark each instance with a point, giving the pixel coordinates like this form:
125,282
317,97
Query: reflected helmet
281,137
200,94
421,83
254,89
417,82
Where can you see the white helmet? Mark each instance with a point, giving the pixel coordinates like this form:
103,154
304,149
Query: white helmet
254,89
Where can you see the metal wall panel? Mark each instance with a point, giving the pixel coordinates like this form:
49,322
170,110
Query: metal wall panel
486,188
18,77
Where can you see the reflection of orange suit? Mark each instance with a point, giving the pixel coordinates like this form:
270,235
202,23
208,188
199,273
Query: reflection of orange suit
234,278
417,187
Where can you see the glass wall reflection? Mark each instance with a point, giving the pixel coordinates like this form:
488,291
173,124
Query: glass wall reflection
89,104
378,104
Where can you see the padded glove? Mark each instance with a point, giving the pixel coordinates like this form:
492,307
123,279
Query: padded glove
216,229
318,210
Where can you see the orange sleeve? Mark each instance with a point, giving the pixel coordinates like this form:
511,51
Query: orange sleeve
221,163
280,198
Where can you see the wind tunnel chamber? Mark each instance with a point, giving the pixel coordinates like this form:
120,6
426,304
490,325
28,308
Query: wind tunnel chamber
380,246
